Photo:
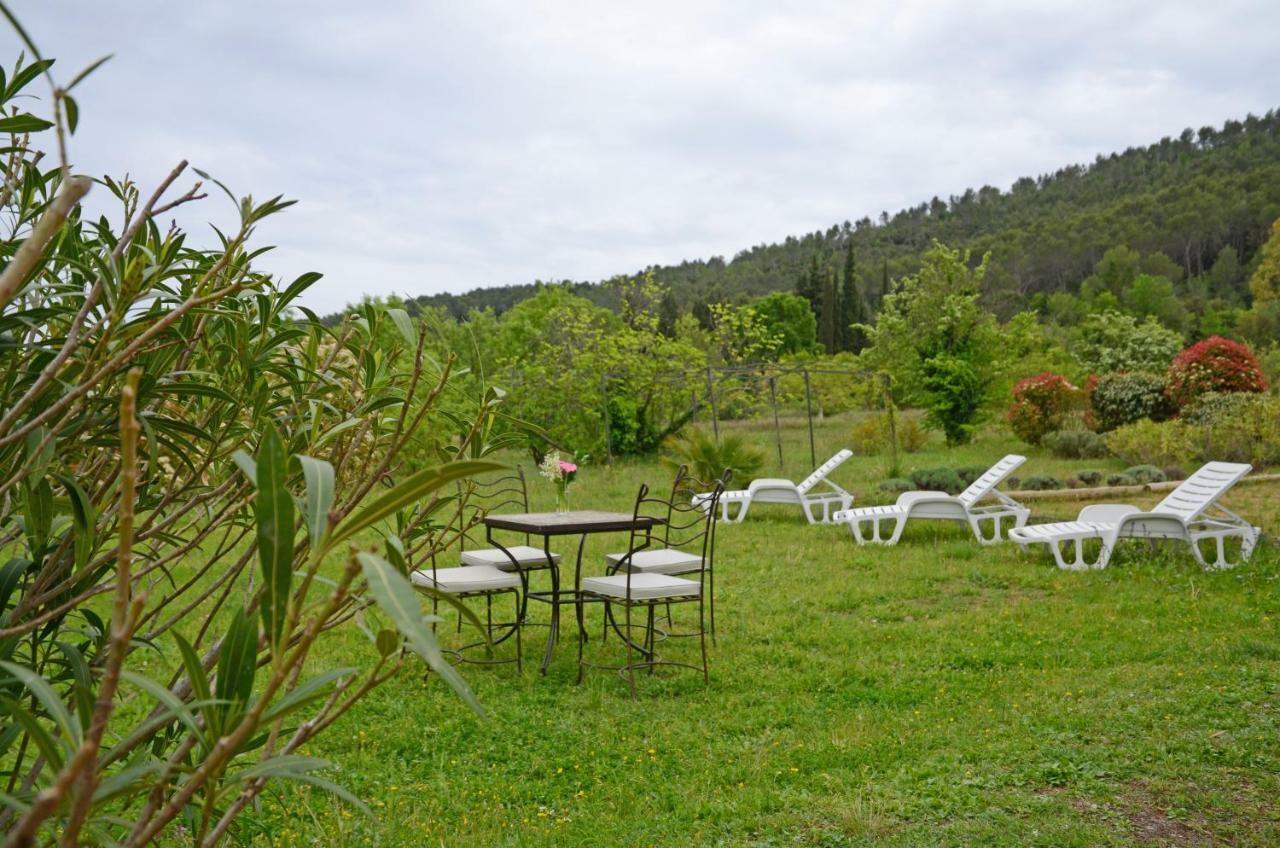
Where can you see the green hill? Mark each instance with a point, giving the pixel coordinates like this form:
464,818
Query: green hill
1187,197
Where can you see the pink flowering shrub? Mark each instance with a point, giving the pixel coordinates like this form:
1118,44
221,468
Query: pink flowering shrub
1040,406
1213,365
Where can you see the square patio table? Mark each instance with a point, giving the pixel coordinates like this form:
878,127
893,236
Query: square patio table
581,523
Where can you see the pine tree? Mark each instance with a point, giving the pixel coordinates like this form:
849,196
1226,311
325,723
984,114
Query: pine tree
884,284
668,315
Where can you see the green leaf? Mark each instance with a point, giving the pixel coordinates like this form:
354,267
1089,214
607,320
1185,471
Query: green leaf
246,464
43,692
398,600
237,662
72,110
412,489
319,478
44,741
273,510
176,706
24,123
403,323
305,693
84,517
79,78
199,683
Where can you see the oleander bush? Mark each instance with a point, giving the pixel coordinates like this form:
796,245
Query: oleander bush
1121,480
1119,399
1213,365
1041,405
200,482
1077,444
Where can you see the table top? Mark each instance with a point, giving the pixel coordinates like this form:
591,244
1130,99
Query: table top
570,523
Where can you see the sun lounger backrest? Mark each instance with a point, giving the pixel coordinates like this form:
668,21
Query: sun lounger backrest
1198,492
823,470
993,477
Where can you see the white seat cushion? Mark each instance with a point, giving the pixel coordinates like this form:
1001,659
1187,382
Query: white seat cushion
467,578
526,556
644,587
658,561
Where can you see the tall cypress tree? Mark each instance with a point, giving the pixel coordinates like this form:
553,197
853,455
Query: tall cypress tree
884,283
809,286
829,317
851,305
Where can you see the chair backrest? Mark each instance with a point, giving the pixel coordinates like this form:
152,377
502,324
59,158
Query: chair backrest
685,487
991,478
1199,491
507,492
823,470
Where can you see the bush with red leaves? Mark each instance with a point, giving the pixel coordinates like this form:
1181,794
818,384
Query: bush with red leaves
1213,365
1040,405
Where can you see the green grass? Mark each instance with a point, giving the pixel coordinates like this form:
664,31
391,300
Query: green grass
936,693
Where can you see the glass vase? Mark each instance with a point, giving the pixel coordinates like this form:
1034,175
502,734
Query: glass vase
562,498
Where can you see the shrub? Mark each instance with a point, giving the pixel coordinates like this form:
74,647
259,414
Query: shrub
1077,444
1151,443
871,435
697,448
970,473
1040,405
1121,480
1120,399
1041,483
1074,482
1174,472
938,479
911,436
1090,477
1145,474
1013,482
895,484
1238,427
1112,341
1213,365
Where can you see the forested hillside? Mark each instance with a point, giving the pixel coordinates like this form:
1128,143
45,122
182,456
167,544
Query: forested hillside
1187,197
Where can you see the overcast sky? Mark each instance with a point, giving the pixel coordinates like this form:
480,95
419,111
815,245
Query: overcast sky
442,146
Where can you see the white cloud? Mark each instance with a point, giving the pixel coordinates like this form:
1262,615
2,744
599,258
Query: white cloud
440,146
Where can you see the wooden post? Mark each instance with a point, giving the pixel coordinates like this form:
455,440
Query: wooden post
711,396
808,410
777,427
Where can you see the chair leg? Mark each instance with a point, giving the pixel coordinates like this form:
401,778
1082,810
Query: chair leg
518,625
582,642
702,639
649,637
631,668
711,601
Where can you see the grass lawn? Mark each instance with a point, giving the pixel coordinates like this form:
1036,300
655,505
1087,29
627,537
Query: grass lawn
936,693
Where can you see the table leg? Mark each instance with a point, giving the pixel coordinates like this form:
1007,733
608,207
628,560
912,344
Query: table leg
555,605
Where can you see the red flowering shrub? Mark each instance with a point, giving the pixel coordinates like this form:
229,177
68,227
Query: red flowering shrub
1213,365
1040,406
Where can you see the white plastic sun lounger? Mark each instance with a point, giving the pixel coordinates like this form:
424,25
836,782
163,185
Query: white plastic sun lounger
1182,515
939,505
817,505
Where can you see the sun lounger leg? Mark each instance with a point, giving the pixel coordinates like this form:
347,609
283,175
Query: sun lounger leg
1079,563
